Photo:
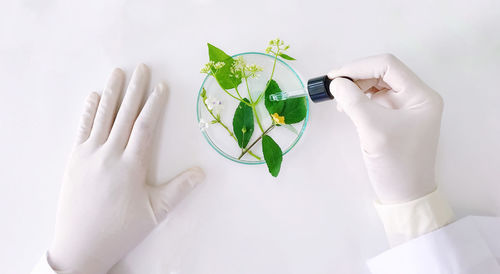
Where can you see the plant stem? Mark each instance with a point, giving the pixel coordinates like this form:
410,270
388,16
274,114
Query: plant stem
274,66
251,153
258,139
222,124
238,92
253,104
227,129
270,78
228,93
248,89
257,118
264,132
241,100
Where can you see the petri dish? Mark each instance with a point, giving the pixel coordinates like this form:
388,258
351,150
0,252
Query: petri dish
219,138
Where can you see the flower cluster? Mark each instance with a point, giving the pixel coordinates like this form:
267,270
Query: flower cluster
240,67
214,104
280,120
276,46
208,67
252,70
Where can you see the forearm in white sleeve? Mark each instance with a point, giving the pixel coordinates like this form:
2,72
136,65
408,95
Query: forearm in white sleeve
468,246
405,221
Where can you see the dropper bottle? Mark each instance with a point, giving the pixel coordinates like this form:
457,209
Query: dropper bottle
318,89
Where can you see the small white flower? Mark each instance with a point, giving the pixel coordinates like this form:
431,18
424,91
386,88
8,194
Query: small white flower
276,46
214,104
239,63
252,70
203,125
219,65
276,42
234,70
207,67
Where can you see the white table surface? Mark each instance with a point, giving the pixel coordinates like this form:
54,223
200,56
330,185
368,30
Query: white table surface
318,216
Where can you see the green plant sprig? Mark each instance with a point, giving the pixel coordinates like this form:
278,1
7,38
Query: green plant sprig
217,120
256,140
252,73
275,47
229,74
212,68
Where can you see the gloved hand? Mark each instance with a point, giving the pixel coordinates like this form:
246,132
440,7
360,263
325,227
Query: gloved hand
398,125
105,207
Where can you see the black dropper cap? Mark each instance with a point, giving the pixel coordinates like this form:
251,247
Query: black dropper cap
319,88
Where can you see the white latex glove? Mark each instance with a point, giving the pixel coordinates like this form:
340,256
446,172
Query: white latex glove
105,207
398,125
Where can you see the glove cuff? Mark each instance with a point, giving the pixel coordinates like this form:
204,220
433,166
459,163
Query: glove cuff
405,221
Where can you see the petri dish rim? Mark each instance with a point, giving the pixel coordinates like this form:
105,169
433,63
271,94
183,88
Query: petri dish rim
229,157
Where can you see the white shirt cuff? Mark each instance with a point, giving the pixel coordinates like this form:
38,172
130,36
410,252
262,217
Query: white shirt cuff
405,221
468,246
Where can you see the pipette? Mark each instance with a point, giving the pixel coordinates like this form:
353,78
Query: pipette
318,89
288,95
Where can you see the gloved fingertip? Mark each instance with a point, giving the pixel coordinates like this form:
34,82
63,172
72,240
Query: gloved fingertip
142,68
341,83
94,97
346,93
118,72
94,94
161,89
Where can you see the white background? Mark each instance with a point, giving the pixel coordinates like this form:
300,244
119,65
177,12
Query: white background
317,217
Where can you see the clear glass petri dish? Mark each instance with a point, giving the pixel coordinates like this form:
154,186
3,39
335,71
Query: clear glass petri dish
218,137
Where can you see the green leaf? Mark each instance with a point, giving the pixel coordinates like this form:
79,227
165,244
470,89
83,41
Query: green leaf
243,124
294,110
204,93
224,76
272,154
287,57
273,106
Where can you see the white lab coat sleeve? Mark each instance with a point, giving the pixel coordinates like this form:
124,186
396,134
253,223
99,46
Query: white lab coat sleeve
43,267
468,246
405,221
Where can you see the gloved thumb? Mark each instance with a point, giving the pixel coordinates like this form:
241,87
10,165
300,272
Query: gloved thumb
165,197
353,101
